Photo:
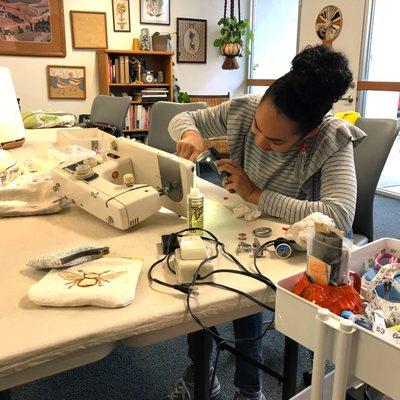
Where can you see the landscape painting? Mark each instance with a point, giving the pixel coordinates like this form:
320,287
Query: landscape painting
32,27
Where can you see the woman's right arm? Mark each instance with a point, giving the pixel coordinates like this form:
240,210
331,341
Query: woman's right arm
189,129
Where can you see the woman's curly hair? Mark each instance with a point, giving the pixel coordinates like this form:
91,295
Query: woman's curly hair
318,78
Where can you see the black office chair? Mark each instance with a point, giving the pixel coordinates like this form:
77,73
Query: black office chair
161,114
370,158
110,111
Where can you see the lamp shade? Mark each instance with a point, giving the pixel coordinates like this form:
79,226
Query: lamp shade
12,132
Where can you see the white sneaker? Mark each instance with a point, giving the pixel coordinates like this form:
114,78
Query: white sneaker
181,391
184,387
239,396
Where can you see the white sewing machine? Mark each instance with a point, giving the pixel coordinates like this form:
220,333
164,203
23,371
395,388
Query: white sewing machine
127,184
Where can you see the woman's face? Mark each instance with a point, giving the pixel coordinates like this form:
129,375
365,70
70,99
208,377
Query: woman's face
273,131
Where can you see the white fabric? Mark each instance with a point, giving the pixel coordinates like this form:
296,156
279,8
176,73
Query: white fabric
252,215
243,210
108,282
29,199
298,231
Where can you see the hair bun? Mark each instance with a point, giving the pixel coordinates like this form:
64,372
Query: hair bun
320,75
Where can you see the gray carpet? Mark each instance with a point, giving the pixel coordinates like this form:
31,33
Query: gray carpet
149,373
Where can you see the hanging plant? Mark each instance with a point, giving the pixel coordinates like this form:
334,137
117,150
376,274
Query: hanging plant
235,35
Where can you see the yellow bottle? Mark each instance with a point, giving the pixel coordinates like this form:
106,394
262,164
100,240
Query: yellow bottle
195,216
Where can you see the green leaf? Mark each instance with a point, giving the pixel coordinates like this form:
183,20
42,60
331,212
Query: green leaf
217,42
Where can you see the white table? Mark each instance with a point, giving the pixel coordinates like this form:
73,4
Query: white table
40,341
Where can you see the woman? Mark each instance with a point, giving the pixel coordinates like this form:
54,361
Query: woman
287,156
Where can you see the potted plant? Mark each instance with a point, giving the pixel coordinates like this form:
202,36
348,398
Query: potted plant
235,34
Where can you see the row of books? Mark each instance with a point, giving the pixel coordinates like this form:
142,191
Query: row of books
138,117
146,95
119,70
154,94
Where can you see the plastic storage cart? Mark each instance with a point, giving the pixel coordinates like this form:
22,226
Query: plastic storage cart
354,350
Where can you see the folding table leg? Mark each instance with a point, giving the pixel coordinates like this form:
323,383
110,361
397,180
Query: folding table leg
290,369
5,395
202,365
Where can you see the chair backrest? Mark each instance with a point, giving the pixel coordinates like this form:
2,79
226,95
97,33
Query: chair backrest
161,114
370,157
211,100
110,110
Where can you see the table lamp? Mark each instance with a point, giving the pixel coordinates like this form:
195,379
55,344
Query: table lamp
12,132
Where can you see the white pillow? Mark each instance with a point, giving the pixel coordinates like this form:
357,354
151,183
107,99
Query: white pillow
106,282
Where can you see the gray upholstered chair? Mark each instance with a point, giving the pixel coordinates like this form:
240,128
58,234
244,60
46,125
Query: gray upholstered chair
161,114
110,110
370,157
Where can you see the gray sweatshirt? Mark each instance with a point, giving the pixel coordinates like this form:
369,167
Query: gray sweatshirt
317,176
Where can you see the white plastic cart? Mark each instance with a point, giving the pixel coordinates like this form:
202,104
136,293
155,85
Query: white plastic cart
355,351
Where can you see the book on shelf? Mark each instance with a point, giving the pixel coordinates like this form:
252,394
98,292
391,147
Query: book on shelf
118,70
126,69
138,118
154,94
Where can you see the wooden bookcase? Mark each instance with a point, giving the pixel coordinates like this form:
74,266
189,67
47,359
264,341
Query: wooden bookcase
153,60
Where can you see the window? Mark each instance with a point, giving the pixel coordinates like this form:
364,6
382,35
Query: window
382,66
272,19
382,60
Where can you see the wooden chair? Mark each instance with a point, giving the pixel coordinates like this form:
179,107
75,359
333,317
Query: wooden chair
211,100
219,143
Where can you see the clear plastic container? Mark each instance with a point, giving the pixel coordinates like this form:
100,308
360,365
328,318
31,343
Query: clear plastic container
327,258
71,153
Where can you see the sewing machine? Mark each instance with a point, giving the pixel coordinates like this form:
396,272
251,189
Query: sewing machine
127,184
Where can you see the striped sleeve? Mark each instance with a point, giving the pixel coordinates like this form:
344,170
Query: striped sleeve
338,194
209,122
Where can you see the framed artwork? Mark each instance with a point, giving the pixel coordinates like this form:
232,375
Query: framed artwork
329,24
155,12
121,16
66,82
32,28
89,30
192,40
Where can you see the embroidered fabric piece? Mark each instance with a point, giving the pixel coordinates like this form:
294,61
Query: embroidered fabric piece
107,282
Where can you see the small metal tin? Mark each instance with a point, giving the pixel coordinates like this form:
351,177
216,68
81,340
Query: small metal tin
262,232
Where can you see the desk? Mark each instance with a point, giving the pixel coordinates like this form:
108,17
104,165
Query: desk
40,341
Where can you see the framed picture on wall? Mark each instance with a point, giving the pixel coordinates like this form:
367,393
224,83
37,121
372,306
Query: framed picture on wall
32,28
121,15
191,40
155,12
89,30
66,82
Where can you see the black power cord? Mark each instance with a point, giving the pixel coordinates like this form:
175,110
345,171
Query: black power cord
191,289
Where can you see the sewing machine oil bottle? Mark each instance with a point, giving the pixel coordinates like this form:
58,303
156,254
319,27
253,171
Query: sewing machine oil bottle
195,215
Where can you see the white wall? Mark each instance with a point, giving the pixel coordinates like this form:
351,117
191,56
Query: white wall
348,41
29,73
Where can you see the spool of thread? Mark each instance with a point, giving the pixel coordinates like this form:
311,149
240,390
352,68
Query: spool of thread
135,44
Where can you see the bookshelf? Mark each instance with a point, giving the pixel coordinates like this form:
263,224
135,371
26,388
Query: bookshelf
117,74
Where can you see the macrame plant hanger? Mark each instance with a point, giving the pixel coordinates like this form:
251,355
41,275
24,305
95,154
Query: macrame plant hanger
231,50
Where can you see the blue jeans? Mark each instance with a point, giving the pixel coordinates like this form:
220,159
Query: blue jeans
247,376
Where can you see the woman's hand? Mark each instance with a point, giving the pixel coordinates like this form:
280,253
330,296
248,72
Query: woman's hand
239,181
190,146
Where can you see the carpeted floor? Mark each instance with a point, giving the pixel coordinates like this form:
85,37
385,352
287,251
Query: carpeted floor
150,373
